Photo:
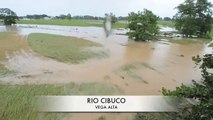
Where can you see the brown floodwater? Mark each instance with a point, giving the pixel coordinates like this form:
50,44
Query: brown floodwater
171,63
165,64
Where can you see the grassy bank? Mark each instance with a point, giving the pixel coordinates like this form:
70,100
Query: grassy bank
73,22
18,102
64,49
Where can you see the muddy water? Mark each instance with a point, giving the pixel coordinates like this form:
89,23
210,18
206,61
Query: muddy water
169,64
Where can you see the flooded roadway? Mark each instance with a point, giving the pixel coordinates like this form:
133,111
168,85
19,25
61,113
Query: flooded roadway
165,64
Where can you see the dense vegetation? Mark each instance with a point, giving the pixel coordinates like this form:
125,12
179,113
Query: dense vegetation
9,17
143,25
194,17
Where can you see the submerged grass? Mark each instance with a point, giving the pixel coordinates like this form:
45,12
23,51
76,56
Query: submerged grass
92,89
17,102
130,71
134,66
4,71
9,43
64,49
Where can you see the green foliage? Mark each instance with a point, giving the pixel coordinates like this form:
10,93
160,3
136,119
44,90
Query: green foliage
194,17
211,45
143,25
202,91
69,16
8,16
114,19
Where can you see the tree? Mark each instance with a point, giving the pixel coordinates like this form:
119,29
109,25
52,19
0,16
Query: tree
9,17
194,18
201,90
69,16
203,16
113,18
42,16
167,19
143,25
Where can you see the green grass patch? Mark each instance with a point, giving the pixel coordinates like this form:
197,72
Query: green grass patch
119,25
73,22
166,23
17,102
65,49
92,89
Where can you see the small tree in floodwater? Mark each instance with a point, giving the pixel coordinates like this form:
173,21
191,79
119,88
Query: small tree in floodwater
9,17
143,25
194,17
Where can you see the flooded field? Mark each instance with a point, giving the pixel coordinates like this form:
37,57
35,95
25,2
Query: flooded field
139,68
130,68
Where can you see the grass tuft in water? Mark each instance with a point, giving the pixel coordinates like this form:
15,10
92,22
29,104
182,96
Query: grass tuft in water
130,71
102,118
4,71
